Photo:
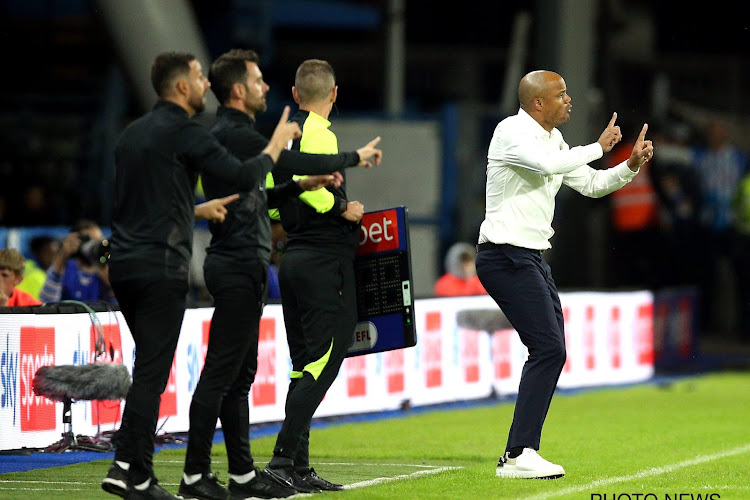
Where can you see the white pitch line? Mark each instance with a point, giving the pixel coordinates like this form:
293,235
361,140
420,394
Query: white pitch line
352,464
380,480
19,481
654,471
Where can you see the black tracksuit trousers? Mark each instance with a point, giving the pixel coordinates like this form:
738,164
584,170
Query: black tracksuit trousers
153,310
230,367
318,294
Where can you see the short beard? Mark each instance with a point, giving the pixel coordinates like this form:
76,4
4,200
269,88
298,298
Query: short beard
199,106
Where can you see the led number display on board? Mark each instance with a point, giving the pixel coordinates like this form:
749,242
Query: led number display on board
384,284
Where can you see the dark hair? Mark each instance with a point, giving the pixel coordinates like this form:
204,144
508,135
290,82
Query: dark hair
314,80
82,225
228,69
39,242
167,67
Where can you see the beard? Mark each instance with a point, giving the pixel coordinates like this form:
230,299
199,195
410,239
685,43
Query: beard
256,106
198,104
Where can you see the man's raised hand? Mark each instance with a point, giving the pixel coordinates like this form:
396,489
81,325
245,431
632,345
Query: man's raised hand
369,155
643,150
611,135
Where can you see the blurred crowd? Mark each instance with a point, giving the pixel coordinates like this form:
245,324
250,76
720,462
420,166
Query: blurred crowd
686,221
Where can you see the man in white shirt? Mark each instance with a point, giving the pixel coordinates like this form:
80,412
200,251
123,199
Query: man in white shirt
528,161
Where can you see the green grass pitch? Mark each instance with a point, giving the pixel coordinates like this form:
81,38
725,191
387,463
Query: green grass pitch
685,440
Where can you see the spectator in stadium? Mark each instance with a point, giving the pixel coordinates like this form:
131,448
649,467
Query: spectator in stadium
12,266
76,274
461,277
528,161
43,251
678,194
158,159
316,276
236,274
719,166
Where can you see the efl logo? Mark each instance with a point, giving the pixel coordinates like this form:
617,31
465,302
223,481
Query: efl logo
394,370
168,406
470,355
501,353
106,412
379,232
37,350
356,382
432,352
365,336
264,386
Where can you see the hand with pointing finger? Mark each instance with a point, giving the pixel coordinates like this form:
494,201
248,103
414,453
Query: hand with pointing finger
643,151
369,155
611,135
214,210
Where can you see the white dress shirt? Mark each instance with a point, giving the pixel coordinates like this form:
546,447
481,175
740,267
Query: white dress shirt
526,165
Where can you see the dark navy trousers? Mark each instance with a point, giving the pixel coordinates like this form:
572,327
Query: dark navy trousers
520,281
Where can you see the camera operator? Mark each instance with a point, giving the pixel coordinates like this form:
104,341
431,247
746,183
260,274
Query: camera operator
80,270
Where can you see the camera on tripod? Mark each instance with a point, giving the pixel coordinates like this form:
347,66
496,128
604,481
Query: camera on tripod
93,252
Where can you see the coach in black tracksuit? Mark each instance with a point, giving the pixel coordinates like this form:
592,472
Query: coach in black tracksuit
157,162
236,272
316,278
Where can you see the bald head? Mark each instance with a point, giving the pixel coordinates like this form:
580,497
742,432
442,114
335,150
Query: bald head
535,84
544,96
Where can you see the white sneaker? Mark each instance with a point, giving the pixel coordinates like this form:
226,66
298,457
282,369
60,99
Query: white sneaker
528,465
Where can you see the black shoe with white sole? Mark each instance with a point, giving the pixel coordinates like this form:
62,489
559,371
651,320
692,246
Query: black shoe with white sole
117,481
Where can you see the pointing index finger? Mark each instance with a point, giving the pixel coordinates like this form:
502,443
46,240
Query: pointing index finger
612,121
229,199
642,137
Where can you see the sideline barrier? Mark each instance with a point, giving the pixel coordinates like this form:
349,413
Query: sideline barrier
609,339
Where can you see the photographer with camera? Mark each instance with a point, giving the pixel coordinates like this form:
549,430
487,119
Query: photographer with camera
80,270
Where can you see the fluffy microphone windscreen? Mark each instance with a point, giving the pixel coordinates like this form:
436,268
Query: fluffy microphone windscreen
483,320
85,382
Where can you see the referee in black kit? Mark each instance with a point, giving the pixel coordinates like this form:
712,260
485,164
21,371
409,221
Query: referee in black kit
528,161
157,161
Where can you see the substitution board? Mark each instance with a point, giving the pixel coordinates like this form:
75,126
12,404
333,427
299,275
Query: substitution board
384,284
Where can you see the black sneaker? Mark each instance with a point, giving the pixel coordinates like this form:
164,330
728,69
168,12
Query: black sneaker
116,481
153,492
290,479
313,480
261,486
205,488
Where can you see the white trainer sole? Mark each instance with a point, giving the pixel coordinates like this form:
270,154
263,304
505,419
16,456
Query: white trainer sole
505,472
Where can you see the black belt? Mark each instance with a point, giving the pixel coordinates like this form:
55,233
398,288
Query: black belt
488,245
